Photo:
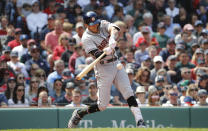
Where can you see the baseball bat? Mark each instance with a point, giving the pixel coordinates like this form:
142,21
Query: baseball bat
89,67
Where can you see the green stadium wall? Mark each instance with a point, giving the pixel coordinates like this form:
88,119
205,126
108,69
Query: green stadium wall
114,117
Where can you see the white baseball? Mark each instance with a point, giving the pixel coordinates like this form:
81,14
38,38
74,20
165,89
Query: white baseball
119,66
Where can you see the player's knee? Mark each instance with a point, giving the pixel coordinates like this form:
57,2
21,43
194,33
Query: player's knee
132,101
102,108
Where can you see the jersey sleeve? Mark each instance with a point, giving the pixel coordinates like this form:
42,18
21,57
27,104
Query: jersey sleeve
88,45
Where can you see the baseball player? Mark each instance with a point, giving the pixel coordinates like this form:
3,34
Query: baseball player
100,36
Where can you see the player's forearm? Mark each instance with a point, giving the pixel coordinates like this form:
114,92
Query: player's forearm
96,53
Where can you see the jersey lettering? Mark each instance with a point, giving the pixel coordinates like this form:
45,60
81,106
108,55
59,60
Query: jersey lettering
103,44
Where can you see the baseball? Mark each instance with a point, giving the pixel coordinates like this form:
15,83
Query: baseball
119,66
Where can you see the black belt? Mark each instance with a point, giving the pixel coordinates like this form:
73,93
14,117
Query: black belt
108,61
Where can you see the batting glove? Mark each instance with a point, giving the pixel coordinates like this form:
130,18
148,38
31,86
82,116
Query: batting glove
108,50
112,43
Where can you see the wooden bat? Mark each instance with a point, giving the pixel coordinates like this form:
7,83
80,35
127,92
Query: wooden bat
89,67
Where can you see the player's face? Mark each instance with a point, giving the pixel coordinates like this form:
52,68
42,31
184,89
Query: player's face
93,28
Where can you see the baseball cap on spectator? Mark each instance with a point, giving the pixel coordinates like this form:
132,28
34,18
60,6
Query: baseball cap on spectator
180,47
18,31
91,84
51,17
72,41
188,27
34,47
185,83
199,51
145,29
205,41
140,41
70,85
152,89
157,59
14,54
171,41
66,74
145,57
23,37
35,1
203,77
7,50
129,71
198,23
202,92
205,31
172,57
140,89
11,79
79,24
31,41
188,100
206,52
161,25
200,72
159,78
195,44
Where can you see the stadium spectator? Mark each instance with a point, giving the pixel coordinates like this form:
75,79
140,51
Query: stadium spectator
16,41
79,32
17,66
31,95
36,20
92,98
184,60
158,64
76,99
58,91
140,96
172,99
3,100
202,96
44,100
143,76
191,96
27,56
18,99
11,84
153,96
67,98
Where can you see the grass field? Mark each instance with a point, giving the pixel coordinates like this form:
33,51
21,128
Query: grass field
115,129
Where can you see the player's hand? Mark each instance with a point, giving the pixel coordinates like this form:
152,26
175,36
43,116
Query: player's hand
108,50
112,43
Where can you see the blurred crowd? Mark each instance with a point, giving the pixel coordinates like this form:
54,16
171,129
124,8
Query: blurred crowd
162,44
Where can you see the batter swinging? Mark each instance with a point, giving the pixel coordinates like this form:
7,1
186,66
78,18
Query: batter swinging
100,36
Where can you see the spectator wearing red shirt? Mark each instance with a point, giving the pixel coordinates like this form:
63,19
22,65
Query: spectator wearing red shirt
77,53
51,7
4,23
16,41
63,45
51,39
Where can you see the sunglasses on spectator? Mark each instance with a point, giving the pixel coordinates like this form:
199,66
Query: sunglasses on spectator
34,51
34,82
21,78
187,72
174,94
58,84
19,90
41,75
202,97
193,89
65,38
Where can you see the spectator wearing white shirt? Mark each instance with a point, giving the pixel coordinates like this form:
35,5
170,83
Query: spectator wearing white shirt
76,99
172,11
79,32
172,99
140,96
36,20
21,49
17,66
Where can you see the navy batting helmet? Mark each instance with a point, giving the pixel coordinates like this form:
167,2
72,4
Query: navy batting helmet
90,18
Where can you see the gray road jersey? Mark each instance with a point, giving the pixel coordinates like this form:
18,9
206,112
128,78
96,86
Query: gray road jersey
92,41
